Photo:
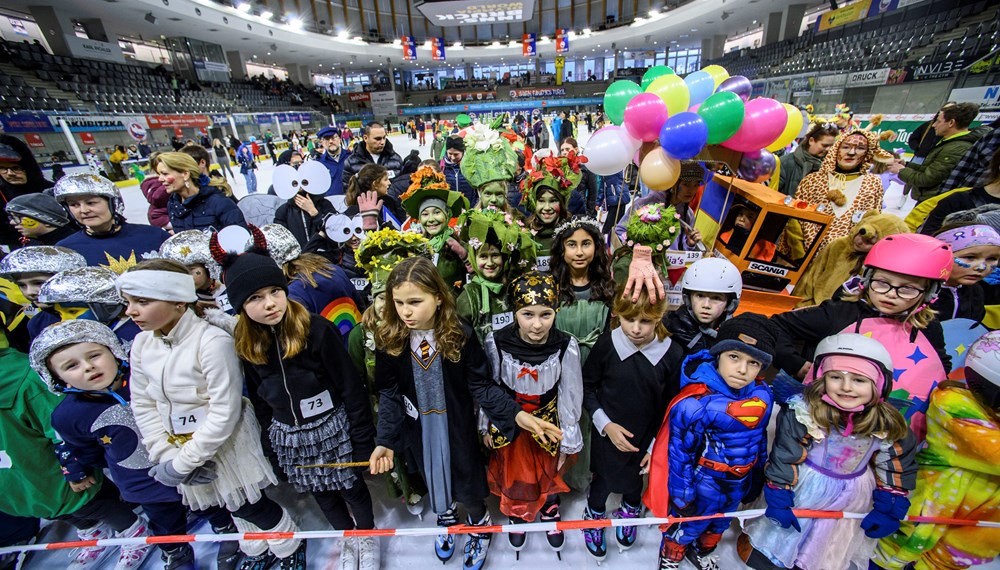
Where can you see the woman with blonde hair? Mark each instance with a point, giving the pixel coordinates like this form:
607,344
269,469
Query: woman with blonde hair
196,202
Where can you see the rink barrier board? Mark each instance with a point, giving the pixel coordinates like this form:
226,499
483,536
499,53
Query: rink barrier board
464,529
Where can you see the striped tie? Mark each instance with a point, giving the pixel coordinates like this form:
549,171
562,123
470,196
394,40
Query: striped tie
425,351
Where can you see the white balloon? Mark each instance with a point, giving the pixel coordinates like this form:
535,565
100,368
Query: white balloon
606,152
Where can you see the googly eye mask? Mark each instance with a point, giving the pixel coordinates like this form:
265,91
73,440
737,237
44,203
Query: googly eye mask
312,177
341,228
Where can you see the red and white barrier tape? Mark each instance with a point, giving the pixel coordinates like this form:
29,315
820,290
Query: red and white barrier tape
465,529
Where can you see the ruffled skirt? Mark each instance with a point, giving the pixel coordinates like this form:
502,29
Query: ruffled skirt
326,440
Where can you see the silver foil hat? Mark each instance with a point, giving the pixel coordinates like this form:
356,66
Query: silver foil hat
83,285
40,259
281,244
89,185
191,247
66,333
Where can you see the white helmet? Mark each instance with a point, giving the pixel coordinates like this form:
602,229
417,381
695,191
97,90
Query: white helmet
853,344
984,357
714,275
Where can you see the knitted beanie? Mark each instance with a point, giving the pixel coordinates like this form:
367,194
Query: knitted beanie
750,334
250,272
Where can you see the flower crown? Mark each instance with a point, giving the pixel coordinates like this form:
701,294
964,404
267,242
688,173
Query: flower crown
425,178
571,225
653,225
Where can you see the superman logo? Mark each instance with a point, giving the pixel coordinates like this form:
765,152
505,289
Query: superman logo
748,412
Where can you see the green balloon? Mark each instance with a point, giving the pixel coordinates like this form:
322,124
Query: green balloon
723,113
654,72
463,120
617,97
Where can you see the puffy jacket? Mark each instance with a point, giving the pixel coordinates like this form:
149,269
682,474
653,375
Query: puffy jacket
360,157
156,195
458,183
302,225
687,332
282,384
924,180
583,200
209,208
335,164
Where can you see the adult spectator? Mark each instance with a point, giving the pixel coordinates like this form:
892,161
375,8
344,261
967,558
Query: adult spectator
19,175
514,187
986,194
39,219
304,213
248,164
374,148
116,159
195,203
583,200
222,157
452,169
106,239
156,195
203,159
844,187
923,138
614,195
952,125
807,157
368,195
969,171
333,157
401,181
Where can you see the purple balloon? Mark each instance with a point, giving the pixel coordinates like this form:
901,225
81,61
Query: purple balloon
736,84
757,166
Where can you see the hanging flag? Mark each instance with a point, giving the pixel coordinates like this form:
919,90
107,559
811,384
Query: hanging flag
528,45
562,40
409,48
437,49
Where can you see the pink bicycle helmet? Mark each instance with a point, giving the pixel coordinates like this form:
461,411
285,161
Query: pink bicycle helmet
916,255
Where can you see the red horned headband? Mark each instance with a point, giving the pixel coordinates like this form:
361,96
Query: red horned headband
227,258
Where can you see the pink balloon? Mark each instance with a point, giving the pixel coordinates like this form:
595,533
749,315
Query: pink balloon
763,122
694,108
645,114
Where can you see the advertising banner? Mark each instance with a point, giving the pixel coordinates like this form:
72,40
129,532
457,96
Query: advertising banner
34,140
538,92
87,139
938,69
868,78
528,45
93,49
356,97
465,97
409,48
27,123
95,123
179,121
843,16
562,40
437,49
472,12
383,103
987,97
881,7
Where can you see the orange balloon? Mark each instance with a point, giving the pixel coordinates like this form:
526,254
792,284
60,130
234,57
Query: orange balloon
659,171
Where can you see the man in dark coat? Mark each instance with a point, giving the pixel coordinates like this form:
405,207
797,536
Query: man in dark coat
453,154
333,157
374,148
20,174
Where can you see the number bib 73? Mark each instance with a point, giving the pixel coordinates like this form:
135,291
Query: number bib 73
316,405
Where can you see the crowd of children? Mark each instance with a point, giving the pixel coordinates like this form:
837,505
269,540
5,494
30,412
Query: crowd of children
480,354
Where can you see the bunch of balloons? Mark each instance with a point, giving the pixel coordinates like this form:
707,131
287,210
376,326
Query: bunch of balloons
667,119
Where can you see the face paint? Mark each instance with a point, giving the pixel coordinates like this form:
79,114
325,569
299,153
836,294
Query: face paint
170,180
29,223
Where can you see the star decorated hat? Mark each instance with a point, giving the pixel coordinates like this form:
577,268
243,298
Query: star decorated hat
430,188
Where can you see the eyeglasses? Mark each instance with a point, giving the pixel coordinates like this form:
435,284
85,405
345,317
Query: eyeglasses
905,292
856,148
12,169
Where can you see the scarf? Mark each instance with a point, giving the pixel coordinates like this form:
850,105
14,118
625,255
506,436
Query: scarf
485,288
509,341
439,241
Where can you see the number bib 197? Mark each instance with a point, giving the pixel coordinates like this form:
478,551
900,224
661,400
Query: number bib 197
316,405
187,422
500,320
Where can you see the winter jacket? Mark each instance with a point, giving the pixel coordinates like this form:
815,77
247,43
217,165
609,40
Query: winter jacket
687,332
514,195
156,194
612,193
302,225
335,164
437,148
925,180
285,386
956,202
208,209
453,173
31,477
360,157
36,183
961,302
795,166
334,297
119,250
583,199
193,370
51,238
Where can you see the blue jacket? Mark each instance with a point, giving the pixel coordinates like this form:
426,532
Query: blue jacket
583,199
458,183
334,298
721,425
611,191
120,250
336,167
208,209
101,432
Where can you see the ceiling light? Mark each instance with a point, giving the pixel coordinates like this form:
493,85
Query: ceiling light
653,12
342,34
243,7
586,31
295,23
694,29
266,14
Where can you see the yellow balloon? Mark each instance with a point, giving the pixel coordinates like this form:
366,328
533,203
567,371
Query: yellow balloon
673,91
658,170
792,129
718,73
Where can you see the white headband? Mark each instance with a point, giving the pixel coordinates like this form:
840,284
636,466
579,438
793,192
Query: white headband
158,285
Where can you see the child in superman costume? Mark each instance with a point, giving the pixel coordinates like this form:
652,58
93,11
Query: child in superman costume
710,452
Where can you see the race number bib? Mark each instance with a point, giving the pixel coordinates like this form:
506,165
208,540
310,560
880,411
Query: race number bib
542,263
188,422
316,405
502,319
411,410
435,259
360,283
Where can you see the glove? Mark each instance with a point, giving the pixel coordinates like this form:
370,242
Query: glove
687,510
458,249
779,507
888,510
642,273
202,475
166,474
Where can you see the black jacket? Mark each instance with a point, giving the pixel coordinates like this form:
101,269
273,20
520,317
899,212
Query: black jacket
810,325
688,332
279,386
962,302
36,183
53,237
583,200
360,157
466,384
957,202
302,225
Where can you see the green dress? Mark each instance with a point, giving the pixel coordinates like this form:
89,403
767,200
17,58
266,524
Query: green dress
585,320
451,268
470,306
361,348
